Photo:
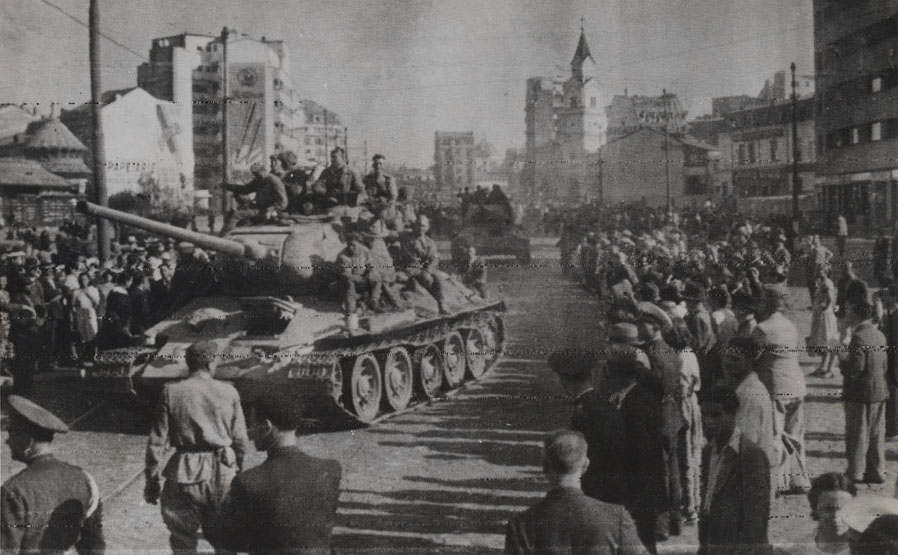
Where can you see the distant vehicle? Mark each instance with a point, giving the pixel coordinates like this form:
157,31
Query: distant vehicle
490,228
279,326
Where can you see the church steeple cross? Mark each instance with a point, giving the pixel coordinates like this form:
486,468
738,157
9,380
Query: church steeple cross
582,20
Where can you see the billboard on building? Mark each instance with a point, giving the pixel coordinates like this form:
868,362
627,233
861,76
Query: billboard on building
246,118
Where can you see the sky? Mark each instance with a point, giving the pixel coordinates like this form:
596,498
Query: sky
396,71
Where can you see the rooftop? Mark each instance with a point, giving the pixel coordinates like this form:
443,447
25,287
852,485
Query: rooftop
28,173
52,134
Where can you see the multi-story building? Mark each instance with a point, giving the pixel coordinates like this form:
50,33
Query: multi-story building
565,124
755,148
628,113
264,116
321,130
857,109
453,163
645,166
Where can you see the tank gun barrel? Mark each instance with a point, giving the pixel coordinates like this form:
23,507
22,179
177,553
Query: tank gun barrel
210,242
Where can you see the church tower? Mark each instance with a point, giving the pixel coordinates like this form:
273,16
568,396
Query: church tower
581,117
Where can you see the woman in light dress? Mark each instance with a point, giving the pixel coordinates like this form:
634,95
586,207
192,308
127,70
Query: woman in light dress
824,327
85,301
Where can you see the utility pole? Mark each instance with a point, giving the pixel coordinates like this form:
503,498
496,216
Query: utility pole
366,156
796,154
326,147
225,162
101,196
346,142
666,153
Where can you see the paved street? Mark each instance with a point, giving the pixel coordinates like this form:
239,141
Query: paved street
444,477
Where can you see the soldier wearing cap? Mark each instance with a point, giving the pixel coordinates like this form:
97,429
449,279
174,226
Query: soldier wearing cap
357,275
780,372
295,180
271,196
422,260
665,367
378,185
338,183
51,506
201,418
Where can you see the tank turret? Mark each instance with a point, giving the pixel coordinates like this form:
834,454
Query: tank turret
270,260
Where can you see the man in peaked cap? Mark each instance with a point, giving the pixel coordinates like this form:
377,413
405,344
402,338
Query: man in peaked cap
201,418
379,185
423,261
51,506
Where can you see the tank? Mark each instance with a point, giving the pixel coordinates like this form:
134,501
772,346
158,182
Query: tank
279,328
490,228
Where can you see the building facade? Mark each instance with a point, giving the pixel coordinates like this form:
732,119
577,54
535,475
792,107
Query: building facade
264,114
857,109
321,130
640,167
628,113
565,124
147,150
756,155
453,163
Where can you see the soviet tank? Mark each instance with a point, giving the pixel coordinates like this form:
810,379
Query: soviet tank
489,226
279,328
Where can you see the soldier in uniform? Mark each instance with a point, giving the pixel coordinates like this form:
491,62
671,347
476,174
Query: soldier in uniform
26,331
295,180
356,273
378,185
271,196
422,261
201,418
338,183
51,506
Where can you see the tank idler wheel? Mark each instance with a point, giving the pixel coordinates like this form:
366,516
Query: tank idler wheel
454,360
363,388
428,365
398,378
475,353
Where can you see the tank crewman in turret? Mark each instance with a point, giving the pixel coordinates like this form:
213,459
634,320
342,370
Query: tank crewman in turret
339,184
271,196
422,260
474,271
378,185
357,275
51,506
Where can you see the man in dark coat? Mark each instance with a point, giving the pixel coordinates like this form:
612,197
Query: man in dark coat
339,184
865,389
271,196
735,482
289,502
622,426
50,506
567,520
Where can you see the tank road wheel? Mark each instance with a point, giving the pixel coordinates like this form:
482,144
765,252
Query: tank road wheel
475,353
398,378
363,389
490,341
454,359
428,365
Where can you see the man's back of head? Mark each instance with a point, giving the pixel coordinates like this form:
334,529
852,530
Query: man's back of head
564,453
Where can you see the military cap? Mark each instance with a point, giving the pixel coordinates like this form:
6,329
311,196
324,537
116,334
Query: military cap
202,352
776,294
624,333
354,238
288,157
695,292
860,511
573,363
649,312
36,416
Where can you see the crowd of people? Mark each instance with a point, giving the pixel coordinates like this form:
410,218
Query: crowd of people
695,411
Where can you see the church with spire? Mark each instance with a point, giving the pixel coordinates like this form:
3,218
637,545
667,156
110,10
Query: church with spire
565,126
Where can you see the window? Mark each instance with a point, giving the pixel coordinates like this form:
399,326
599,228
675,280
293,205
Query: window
751,153
876,131
741,154
875,84
855,135
592,102
773,154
